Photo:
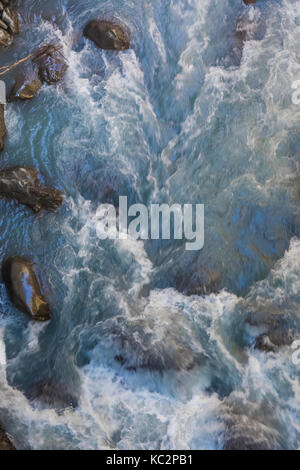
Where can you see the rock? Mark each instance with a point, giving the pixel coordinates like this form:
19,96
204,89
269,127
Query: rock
3,131
23,185
3,25
250,26
152,342
25,88
263,343
201,282
249,2
275,323
10,17
9,24
107,35
247,434
20,278
5,38
274,339
52,68
52,395
244,430
5,443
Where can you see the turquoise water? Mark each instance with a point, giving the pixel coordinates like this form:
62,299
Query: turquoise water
187,115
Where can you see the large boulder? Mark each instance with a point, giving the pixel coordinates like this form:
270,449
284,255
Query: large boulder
5,442
52,67
3,131
23,185
21,281
25,88
107,35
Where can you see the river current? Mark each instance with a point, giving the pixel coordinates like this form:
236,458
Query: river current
153,343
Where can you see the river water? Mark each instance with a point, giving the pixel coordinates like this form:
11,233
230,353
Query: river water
151,341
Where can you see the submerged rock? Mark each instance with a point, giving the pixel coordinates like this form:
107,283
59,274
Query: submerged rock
156,340
244,433
25,88
107,35
275,324
5,442
201,282
51,395
23,185
250,26
52,67
275,338
3,131
247,427
263,343
21,281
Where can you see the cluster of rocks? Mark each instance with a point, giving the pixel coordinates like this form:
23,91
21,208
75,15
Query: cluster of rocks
20,275
9,23
49,68
24,185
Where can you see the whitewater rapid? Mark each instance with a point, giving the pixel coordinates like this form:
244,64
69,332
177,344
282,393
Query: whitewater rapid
189,114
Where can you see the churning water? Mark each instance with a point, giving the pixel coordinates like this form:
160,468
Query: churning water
151,343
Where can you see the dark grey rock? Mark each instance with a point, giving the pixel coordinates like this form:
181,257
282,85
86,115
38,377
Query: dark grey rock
107,35
23,185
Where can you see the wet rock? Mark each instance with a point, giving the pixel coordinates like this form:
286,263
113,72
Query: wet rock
51,395
9,24
107,35
10,17
244,433
21,280
5,442
152,343
202,282
246,429
274,339
250,26
263,343
249,2
6,39
25,88
23,185
3,131
3,25
276,325
52,67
